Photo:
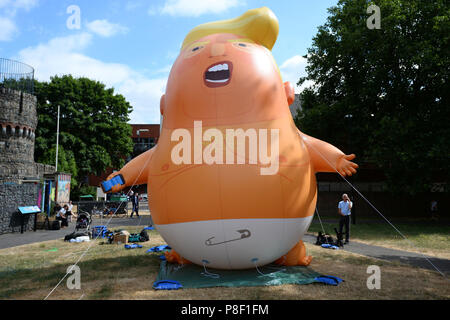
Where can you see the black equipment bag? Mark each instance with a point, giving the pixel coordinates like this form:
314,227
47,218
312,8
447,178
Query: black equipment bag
75,235
56,225
324,239
143,236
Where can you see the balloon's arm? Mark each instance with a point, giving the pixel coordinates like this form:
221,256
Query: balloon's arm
327,158
133,173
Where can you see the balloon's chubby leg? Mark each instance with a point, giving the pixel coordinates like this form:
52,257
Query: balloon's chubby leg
174,257
327,158
133,173
296,256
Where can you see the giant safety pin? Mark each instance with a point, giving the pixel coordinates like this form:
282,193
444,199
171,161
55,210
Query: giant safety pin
244,234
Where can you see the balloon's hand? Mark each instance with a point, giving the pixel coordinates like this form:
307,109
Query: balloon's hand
345,166
114,183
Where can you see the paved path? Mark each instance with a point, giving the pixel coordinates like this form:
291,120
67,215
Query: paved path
17,239
411,258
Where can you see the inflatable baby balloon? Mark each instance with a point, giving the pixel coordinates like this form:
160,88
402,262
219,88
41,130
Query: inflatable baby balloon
231,182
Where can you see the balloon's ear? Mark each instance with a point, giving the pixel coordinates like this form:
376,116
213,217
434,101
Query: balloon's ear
162,104
290,93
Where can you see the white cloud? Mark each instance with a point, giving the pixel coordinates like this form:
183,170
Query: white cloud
8,10
4,3
7,29
18,4
293,69
133,5
65,55
25,4
195,8
144,94
105,28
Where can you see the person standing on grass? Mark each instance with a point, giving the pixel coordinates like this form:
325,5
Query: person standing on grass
345,210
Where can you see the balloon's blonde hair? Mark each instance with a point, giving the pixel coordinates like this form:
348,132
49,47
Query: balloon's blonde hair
259,25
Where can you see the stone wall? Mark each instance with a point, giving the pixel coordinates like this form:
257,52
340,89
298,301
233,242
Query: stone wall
18,120
41,169
13,196
18,107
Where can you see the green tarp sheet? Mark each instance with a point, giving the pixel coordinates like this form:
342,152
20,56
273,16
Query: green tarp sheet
193,276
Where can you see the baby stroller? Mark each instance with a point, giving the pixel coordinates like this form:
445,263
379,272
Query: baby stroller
84,221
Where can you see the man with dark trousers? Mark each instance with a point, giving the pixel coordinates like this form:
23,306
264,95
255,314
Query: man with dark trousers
345,210
135,203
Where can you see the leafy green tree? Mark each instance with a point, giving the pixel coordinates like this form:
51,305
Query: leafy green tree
383,93
94,133
66,161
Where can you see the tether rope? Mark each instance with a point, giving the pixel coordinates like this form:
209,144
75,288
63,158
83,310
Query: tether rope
92,242
362,196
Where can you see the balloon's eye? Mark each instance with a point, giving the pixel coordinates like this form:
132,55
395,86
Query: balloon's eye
193,51
243,46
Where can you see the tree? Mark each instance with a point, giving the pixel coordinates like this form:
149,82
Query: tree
94,133
384,92
66,161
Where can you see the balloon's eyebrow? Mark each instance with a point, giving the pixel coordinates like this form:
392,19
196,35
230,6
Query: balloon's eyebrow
197,44
241,40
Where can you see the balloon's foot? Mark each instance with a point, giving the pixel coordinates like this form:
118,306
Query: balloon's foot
296,256
173,257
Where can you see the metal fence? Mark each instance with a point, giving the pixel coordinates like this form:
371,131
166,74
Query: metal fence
97,208
16,75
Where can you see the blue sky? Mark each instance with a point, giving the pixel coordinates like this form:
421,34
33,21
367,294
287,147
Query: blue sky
131,44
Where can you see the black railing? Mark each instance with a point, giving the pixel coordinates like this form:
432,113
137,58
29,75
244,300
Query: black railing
97,208
16,75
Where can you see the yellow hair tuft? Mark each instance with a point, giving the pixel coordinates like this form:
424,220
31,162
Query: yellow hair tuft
259,25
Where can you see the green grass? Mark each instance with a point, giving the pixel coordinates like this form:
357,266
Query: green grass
106,291
424,236
112,272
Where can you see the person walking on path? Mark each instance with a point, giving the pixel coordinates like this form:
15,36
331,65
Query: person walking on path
345,210
135,203
434,210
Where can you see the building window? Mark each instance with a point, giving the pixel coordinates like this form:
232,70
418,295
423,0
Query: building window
142,144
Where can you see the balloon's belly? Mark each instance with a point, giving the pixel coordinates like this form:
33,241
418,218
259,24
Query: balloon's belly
234,243
218,192
231,217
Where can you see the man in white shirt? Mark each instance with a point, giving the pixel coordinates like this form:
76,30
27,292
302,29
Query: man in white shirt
61,215
345,210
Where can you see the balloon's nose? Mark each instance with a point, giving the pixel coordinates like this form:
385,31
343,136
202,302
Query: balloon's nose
217,49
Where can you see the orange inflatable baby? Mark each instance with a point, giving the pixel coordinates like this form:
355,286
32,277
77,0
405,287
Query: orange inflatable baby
231,183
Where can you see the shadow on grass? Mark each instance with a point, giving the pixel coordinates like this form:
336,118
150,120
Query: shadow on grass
381,229
17,282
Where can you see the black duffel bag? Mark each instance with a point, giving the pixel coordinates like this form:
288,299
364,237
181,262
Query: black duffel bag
56,225
143,236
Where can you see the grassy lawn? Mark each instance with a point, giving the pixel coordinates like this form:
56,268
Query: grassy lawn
431,238
112,272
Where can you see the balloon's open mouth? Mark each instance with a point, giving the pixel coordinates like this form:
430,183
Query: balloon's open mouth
218,74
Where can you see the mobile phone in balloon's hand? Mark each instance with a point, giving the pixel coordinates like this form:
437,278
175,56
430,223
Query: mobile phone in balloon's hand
109,184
